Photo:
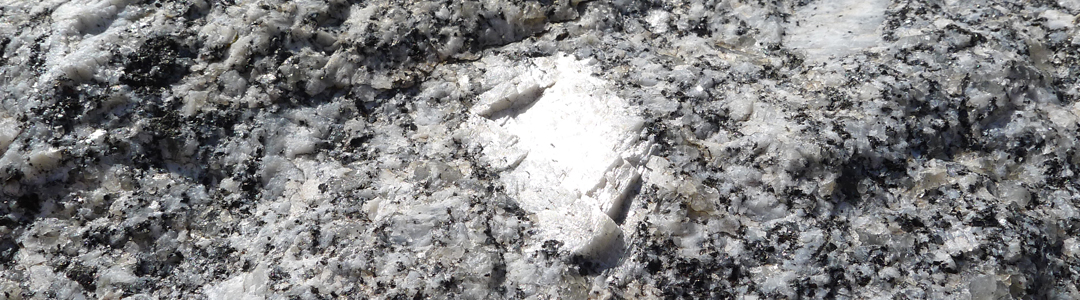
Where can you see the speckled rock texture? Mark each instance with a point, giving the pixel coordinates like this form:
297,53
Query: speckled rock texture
331,149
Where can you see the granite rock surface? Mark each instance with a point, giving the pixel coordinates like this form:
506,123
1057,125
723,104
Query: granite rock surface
552,149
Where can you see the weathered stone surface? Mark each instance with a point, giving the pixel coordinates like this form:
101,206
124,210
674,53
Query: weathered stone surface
539,149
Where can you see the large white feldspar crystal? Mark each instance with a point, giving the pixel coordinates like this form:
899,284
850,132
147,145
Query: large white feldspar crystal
836,28
568,150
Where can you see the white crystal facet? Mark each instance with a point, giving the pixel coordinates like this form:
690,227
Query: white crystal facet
568,147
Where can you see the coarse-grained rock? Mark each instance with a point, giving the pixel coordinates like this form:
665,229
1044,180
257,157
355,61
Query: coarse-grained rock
557,149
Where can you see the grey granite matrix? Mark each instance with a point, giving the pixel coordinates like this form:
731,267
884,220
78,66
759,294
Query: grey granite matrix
539,149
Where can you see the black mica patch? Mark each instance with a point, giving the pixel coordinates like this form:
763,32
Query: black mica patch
111,237
358,142
910,223
158,266
848,182
985,218
4,41
8,248
69,107
29,204
586,266
159,62
194,12
83,275
36,61
551,248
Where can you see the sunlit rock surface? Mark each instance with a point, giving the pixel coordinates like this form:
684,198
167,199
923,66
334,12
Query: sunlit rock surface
539,149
